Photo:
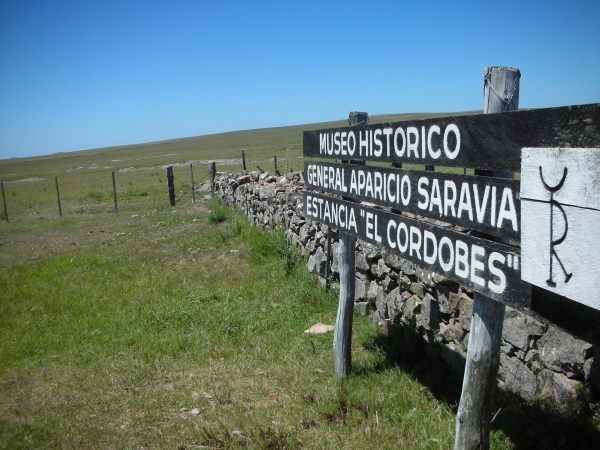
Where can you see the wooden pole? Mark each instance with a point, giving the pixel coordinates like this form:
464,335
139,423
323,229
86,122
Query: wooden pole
342,332
213,171
115,192
327,261
275,163
501,94
244,159
171,185
4,201
192,177
57,196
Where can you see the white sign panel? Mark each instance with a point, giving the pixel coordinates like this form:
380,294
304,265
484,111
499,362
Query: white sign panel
560,221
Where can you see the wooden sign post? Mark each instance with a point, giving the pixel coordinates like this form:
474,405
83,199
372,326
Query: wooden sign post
114,192
213,174
171,185
520,233
57,196
4,201
192,181
342,333
501,94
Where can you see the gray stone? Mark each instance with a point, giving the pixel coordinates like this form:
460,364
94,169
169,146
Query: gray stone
374,289
591,369
310,246
334,258
557,386
407,267
375,319
562,352
360,289
361,261
381,269
362,275
519,329
393,260
411,308
531,355
425,275
451,332
371,251
316,261
517,377
465,305
381,304
441,279
373,269
404,282
305,234
395,304
430,313
244,179
361,308
388,284
446,303
418,289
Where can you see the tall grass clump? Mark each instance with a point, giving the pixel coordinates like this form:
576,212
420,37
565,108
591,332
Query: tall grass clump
219,213
271,244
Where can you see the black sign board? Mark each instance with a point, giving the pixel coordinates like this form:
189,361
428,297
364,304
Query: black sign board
485,204
488,141
490,268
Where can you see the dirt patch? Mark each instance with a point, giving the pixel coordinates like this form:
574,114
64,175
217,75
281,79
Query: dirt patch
206,162
134,169
26,180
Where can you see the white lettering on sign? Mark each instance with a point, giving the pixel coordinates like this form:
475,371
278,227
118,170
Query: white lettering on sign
485,266
468,262
332,212
413,142
470,200
560,221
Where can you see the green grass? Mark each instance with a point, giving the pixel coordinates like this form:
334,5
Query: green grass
125,326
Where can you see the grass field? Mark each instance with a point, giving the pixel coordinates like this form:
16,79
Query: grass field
183,327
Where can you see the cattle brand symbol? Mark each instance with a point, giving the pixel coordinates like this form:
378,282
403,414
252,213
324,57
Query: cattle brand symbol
554,242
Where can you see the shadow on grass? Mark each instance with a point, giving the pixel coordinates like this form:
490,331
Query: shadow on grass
537,424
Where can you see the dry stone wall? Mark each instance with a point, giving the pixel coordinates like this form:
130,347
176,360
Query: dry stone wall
536,358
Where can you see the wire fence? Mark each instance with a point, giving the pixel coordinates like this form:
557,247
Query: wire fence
36,196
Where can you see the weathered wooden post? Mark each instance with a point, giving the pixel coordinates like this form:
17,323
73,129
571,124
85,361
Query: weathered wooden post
501,94
213,172
4,201
57,196
275,163
171,185
342,333
115,192
192,177
244,159
327,261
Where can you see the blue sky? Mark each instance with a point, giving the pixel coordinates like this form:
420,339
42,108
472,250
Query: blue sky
76,75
